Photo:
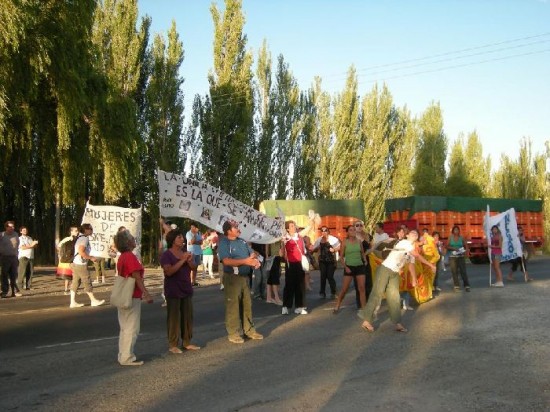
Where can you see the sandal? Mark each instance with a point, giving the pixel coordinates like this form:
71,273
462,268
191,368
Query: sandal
367,326
191,347
400,328
175,349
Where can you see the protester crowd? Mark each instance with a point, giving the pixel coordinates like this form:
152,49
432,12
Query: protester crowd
397,267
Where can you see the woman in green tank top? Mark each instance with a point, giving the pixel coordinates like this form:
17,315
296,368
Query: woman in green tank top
458,248
352,257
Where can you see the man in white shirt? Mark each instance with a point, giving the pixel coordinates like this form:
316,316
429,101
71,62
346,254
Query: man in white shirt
379,235
387,281
26,258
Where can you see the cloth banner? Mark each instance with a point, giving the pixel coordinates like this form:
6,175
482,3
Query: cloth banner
181,196
506,222
106,220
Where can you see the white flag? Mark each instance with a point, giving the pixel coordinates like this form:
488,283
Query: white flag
181,196
507,224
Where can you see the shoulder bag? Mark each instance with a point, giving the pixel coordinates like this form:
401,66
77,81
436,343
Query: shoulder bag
123,290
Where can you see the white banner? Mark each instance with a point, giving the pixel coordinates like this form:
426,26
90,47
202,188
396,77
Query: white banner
507,224
181,196
106,220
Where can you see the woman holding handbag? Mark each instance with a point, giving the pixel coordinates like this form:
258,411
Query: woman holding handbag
295,289
128,265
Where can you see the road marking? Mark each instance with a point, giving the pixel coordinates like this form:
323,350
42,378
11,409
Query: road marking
78,342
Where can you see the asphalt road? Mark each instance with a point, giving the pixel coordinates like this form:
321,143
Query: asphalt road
484,350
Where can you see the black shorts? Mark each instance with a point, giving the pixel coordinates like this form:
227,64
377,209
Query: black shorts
356,271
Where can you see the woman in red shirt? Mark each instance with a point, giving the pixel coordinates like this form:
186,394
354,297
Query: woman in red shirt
295,289
129,319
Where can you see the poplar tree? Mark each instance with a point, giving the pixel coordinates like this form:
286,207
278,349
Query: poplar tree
478,168
164,118
325,139
226,116
346,155
386,150
285,116
403,155
115,139
458,182
304,185
429,174
524,178
264,182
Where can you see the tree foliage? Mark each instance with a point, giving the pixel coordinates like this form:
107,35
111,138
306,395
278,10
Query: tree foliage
429,174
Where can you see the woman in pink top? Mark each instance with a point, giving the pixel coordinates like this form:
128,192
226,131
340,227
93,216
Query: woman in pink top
496,255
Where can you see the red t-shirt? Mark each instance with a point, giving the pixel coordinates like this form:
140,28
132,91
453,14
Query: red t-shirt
295,249
127,264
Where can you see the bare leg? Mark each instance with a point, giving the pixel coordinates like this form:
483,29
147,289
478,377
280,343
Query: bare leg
345,287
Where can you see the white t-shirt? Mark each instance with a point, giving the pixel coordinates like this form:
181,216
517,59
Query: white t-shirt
397,258
27,253
82,240
332,240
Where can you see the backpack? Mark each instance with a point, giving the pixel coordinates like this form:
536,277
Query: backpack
66,251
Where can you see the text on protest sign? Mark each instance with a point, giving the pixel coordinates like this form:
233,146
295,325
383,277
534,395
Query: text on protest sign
106,220
181,196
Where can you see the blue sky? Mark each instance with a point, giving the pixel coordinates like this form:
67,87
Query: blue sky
487,62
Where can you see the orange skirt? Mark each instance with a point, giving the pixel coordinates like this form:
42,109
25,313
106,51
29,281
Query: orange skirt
64,271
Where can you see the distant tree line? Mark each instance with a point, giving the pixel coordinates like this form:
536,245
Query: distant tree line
91,107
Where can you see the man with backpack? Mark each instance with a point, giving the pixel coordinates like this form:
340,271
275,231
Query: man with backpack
79,266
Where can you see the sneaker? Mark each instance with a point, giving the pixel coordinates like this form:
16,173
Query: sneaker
498,285
255,336
221,286
76,305
300,311
437,288
98,302
467,288
131,363
457,288
18,294
236,339
284,311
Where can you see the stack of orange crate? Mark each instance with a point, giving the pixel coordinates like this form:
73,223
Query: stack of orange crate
474,224
425,220
337,224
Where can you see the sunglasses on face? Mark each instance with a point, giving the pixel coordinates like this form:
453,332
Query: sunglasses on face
324,230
